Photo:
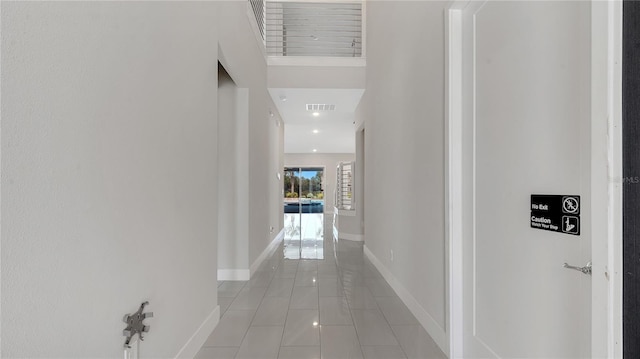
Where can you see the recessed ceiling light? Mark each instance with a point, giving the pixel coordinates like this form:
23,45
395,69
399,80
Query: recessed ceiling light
316,114
315,131
283,98
314,150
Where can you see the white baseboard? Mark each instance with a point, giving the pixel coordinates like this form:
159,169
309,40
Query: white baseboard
197,340
267,252
233,274
426,320
351,237
245,274
348,236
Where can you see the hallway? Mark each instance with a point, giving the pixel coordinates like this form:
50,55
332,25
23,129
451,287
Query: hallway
184,154
339,307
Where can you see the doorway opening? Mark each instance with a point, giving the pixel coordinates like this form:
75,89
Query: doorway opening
229,262
303,212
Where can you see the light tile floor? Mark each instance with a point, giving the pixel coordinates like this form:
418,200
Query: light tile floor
339,307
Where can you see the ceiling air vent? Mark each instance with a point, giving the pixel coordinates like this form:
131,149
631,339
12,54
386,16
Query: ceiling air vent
320,107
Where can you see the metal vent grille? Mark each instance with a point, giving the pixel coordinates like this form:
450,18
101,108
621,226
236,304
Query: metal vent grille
320,107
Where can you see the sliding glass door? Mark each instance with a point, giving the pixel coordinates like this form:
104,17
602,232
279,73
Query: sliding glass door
303,212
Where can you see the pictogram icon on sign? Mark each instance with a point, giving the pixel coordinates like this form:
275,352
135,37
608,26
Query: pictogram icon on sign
570,224
570,205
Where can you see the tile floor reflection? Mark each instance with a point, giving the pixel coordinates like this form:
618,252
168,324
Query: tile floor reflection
338,307
304,235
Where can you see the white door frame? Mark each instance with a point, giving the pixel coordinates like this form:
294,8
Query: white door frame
606,174
453,179
606,178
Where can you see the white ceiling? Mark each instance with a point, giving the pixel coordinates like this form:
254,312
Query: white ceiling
336,132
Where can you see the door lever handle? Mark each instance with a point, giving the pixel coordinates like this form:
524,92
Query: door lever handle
586,269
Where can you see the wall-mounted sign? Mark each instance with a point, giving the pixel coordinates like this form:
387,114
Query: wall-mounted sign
558,213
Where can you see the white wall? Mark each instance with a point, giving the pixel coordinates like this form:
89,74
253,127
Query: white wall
403,111
334,77
109,170
245,63
327,160
277,200
109,174
358,221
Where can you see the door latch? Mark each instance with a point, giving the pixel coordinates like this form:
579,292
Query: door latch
586,269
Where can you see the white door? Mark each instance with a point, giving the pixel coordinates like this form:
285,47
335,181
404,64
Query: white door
529,129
